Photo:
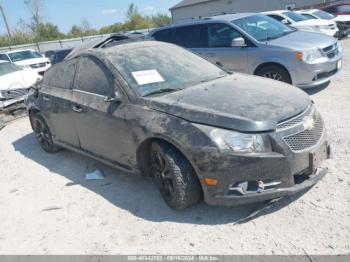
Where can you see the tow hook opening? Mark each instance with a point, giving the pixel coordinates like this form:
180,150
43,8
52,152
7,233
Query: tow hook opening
252,187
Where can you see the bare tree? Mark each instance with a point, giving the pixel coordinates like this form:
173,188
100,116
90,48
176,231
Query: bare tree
36,8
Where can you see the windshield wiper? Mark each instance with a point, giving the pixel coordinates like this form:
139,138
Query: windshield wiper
212,79
161,91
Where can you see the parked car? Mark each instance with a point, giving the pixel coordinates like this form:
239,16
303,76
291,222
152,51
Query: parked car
303,23
342,8
155,109
15,82
56,56
343,21
257,44
27,59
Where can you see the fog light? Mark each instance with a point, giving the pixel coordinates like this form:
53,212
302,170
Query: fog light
211,181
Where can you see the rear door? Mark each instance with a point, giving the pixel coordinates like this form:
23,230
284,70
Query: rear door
100,124
56,102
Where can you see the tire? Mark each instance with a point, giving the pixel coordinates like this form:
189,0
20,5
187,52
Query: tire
275,72
43,134
174,176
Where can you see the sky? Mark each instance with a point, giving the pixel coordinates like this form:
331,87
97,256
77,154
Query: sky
65,13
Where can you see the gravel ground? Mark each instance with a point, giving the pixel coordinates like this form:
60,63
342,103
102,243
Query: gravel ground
47,206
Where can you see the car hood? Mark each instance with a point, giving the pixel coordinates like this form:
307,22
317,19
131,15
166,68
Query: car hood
300,40
17,80
32,61
342,18
313,22
238,102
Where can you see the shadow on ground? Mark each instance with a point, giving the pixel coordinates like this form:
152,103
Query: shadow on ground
317,89
133,194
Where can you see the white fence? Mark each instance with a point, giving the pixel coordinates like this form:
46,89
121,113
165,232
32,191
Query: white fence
65,43
52,45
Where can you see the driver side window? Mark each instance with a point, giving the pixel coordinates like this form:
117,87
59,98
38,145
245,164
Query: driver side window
221,35
93,77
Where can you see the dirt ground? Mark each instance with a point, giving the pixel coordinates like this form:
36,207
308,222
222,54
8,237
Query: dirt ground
47,206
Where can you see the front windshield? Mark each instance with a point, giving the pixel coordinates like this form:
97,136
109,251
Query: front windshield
323,15
23,55
263,28
295,16
163,68
8,68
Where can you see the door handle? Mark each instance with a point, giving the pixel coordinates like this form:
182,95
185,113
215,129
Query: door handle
77,109
219,64
46,98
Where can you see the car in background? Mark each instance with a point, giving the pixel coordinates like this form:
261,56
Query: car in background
159,111
303,23
260,45
108,41
342,8
343,21
56,56
15,83
27,59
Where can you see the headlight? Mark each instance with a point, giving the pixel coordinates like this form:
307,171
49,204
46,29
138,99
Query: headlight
309,55
236,142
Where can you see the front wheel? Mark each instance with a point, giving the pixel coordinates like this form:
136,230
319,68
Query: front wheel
275,73
43,134
174,176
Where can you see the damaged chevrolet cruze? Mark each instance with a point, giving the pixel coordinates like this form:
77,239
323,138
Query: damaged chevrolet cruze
157,110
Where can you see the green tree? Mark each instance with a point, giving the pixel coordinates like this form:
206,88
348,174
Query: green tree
135,20
160,19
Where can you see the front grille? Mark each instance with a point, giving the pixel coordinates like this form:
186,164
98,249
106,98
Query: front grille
309,137
11,94
38,65
295,121
331,51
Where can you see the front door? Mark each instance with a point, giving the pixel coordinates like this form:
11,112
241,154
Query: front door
56,102
220,51
101,126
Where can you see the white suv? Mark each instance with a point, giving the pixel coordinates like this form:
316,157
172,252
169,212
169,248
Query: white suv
303,23
27,59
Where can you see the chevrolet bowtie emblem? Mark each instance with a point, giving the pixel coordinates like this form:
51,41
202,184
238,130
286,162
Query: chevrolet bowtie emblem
309,123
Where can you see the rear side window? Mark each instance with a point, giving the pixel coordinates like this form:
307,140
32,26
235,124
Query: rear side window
221,35
4,57
61,75
94,77
276,17
192,36
166,35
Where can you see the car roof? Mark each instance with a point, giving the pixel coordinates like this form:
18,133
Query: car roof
122,47
100,43
276,12
308,11
15,51
227,17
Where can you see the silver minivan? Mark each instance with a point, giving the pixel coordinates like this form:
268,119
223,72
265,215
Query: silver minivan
256,44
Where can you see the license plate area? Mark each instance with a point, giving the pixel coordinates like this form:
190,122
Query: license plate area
318,156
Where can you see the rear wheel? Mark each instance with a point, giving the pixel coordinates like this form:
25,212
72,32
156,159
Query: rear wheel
174,176
275,72
43,134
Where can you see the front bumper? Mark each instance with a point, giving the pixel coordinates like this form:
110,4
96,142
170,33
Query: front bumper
308,75
232,200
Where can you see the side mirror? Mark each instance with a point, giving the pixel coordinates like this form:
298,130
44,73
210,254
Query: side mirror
285,21
109,99
238,42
